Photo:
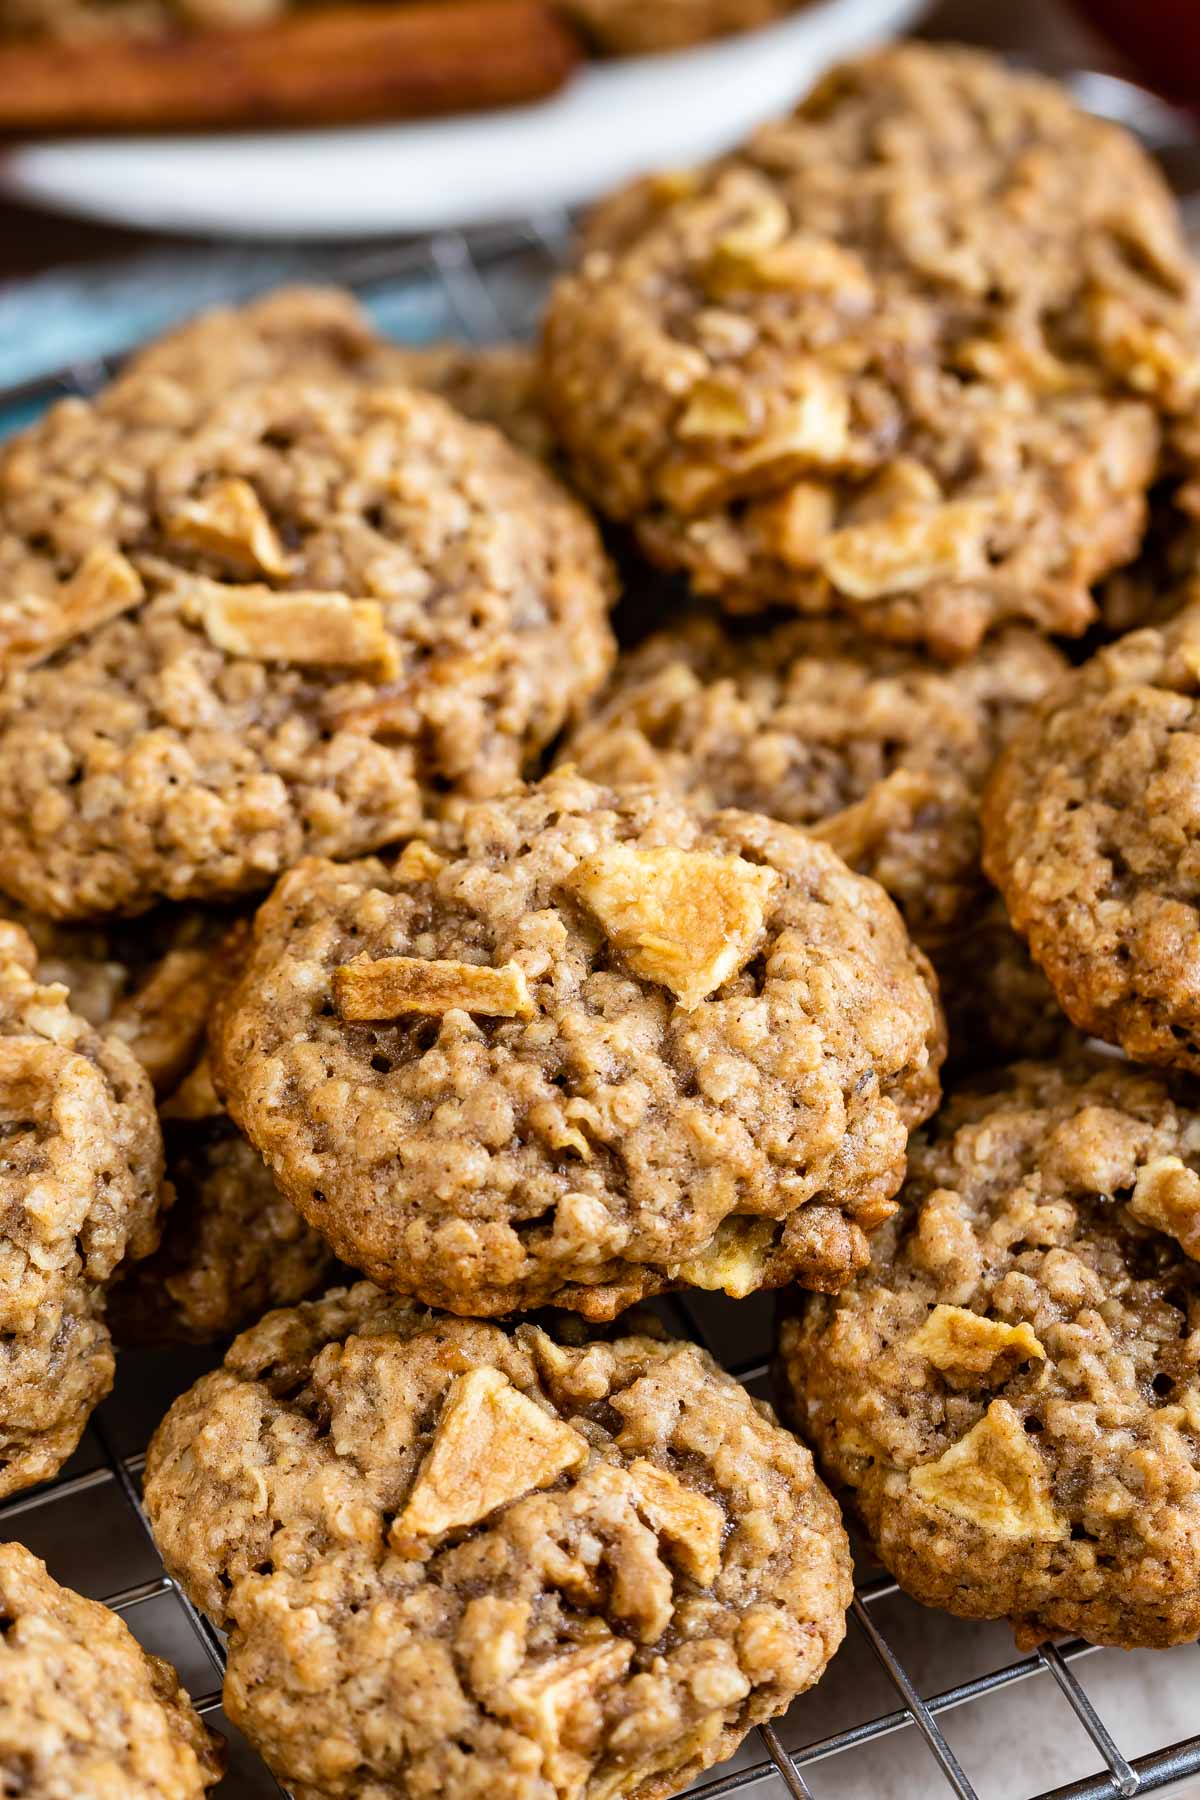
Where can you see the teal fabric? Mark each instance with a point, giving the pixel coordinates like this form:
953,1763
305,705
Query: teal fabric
71,318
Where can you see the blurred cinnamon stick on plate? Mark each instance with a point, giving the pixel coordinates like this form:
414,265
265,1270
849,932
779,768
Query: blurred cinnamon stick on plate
329,65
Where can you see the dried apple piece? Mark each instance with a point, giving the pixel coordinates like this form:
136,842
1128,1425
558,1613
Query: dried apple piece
714,409
891,805
909,548
418,861
961,1342
492,1446
306,627
733,1260
689,1521
1166,1196
994,1478
32,628
388,986
228,521
793,524
546,1699
811,431
686,919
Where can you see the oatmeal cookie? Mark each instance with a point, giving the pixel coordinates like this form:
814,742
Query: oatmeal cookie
594,1046
1011,1393
456,1559
881,751
85,1712
79,1190
1092,834
241,628
231,1245
906,354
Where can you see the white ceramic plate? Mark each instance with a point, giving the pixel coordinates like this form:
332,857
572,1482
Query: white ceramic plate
614,120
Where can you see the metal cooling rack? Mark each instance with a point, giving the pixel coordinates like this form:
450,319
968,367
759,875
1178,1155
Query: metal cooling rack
888,1682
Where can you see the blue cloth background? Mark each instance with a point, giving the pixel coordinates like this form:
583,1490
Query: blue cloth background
68,320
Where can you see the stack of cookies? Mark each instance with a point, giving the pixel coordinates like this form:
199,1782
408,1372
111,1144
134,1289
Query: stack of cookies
372,917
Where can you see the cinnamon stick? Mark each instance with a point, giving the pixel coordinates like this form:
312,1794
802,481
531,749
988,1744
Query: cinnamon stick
324,65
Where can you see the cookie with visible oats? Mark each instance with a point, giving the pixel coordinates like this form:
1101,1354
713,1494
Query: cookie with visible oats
84,1710
231,1245
880,751
1092,834
80,1189
458,1559
907,354
237,627
1011,1392
594,1045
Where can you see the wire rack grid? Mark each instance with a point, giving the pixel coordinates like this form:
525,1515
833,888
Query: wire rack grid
482,287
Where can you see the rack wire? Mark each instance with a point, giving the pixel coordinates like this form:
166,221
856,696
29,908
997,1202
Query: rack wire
484,286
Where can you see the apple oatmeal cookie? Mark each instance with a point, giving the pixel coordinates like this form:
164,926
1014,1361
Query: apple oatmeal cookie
908,354
231,1245
590,1046
1092,834
1011,1393
241,627
458,1559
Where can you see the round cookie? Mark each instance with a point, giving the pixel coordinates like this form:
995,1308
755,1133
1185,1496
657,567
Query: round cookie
1011,1393
260,624
231,1245
1092,834
906,354
877,749
594,1046
84,1710
79,1190
464,1560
